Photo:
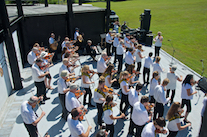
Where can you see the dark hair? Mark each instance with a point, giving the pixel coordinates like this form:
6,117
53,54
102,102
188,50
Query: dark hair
67,54
144,99
139,86
187,79
150,54
64,50
74,112
130,49
160,121
109,98
101,133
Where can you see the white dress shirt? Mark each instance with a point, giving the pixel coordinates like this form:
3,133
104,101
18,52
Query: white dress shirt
108,38
133,97
36,72
116,42
106,117
101,65
173,80
97,96
71,101
153,84
156,67
31,57
75,126
87,79
148,130
148,62
172,125
158,42
27,113
159,95
75,35
139,114
120,50
62,85
127,42
138,59
63,67
129,58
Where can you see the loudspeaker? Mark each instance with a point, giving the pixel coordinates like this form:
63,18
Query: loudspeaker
202,83
149,38
145,19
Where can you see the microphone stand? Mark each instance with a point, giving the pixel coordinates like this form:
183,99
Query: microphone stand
202,68
171,63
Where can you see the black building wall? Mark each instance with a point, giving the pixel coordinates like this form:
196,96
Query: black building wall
38,28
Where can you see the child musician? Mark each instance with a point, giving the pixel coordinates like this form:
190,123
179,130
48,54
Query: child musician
85,83
108,114
153,84
108,75
132,74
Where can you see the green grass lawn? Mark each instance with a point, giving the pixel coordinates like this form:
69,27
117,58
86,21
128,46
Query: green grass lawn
182,21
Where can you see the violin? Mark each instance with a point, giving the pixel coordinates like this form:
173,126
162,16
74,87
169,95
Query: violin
158,131
70,79
91,71
149,107
37,54
130,77
83,113
49,55
79,93
43,67
108,90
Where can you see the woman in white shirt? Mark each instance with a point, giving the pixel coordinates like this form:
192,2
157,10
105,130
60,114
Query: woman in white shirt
153,84
85,83
138,56
187,94
173,115
132,74
123,80
108,75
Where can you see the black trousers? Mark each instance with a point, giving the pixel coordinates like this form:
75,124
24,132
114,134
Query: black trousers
31,129
157,51
114,51
120,62
100,113
186,102
126,66
172,133
146,71
124,99
131,126
138,128
111,129
172,96
152,99
108,49
88,92
62,102
41,89
159,109
139,64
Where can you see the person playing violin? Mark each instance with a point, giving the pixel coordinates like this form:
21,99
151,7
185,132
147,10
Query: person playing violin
132,74
99,99
174,117
108,75
101,63
64,66
155,127
63,88
129,58
123,80
47,61
75,126
38,76
153,84
32,55
108,114
140,116
85,83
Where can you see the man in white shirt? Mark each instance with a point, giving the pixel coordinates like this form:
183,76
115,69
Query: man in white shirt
99,99
158,43
38,76
139,116
149,129
160,99
115,45
101,63
75,126
129,58
71,100
76,33
32,55
30,117
109,42
120,50
146,70
63,88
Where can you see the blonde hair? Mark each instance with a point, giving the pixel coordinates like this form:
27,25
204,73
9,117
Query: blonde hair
139,47
173,110
85,67
157,59
123,73
165,81
101,79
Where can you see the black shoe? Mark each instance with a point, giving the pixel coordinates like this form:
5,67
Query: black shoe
42,102
90,105
102,127
47,98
